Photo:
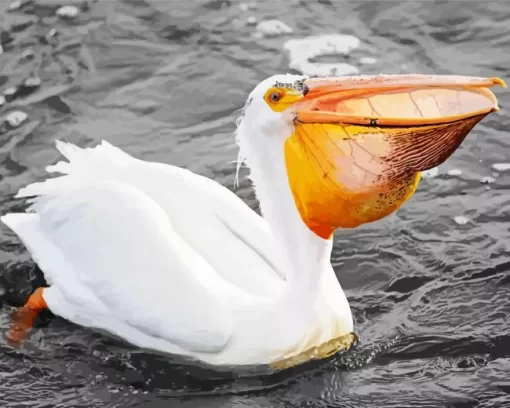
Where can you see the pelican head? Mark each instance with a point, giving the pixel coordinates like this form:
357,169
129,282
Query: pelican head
353,148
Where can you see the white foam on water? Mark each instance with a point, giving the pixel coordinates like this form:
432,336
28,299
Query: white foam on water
16,118
10,91
461,220
68,11
251,21
15,5
368,60
454,172
272,28
428,174
301,51
487,180
501,166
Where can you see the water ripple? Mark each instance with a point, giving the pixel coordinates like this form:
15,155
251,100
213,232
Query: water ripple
165,81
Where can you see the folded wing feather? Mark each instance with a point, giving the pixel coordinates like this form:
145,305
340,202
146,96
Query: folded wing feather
161,249
207,216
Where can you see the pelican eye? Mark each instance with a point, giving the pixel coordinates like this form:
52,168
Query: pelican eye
274,97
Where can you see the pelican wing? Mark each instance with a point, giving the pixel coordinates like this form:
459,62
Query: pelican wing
111,249
210,219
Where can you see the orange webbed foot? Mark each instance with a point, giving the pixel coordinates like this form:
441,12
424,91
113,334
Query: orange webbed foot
24,317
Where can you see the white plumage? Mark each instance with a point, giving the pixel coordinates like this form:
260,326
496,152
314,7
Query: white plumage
173,261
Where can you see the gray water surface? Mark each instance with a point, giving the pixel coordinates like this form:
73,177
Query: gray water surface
165,80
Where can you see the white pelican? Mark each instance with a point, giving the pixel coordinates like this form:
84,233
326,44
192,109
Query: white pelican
172,261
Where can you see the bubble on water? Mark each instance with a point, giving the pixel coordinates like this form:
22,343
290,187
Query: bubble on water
301,51
461,220
487,180
32,82
431,173
10,93
272,28
251,21
501,166
68,12
16,118
454,172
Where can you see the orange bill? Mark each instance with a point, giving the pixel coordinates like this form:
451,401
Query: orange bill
360,143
